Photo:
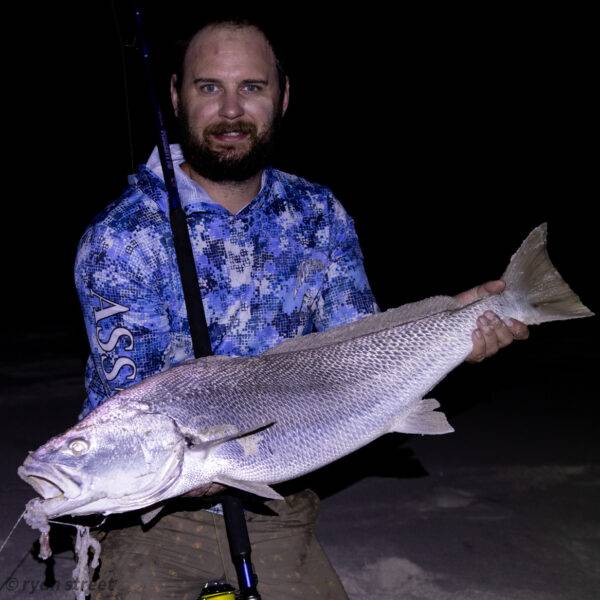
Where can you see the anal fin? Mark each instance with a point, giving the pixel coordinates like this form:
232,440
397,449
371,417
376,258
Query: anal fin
423,418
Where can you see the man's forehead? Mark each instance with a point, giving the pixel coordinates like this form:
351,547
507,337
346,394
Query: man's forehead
229,46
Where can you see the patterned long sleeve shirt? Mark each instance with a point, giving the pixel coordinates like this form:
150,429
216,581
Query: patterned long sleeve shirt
287,264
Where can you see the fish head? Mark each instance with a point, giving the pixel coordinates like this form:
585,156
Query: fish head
119,458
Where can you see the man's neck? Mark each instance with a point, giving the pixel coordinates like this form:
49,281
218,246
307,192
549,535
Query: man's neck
232,195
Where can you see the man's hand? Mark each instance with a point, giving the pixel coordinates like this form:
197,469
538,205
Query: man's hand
491,333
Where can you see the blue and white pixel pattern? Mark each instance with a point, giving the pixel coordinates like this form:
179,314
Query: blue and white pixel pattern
287,264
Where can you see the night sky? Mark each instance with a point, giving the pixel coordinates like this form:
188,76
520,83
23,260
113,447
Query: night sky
448,135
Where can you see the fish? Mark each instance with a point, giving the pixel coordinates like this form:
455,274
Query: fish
252,422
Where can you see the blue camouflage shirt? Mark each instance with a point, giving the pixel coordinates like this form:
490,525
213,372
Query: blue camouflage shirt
287,264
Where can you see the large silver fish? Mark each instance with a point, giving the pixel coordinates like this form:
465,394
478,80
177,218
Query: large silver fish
252,422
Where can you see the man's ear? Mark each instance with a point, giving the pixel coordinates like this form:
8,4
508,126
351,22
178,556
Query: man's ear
286,95
174,95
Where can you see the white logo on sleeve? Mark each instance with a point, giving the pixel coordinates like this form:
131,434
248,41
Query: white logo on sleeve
106,310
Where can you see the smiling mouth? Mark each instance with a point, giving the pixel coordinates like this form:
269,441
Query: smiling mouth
232,136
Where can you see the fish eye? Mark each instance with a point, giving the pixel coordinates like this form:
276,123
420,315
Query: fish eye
78,446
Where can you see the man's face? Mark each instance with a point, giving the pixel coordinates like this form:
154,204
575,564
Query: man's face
229,104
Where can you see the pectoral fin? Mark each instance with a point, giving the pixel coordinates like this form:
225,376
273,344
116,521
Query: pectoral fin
259,489
423,418
204,441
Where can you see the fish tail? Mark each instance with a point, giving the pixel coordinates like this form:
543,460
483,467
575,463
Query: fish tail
539,291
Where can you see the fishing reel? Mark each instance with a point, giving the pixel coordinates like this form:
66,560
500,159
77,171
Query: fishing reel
217,590
221,590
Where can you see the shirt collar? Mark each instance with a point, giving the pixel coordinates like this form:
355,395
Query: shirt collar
193,196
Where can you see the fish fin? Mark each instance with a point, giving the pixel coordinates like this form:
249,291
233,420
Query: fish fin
537,287
147,516
204,441
368,325
259,489
423,418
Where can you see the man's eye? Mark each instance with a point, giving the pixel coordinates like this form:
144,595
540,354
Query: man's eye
209,88
252,87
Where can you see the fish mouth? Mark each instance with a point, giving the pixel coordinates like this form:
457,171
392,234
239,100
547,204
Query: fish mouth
44,487
51,482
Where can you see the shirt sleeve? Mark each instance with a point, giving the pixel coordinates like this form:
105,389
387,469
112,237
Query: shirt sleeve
345,295
127,324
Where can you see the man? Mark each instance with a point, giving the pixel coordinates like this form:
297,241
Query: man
276,257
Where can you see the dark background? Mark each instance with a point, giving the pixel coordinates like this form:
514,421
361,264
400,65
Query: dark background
448,134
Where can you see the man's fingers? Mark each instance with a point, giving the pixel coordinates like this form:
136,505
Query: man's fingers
481,291
504,335
478,351
519,330
490,335
492,287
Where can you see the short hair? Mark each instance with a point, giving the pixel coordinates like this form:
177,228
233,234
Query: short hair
181,47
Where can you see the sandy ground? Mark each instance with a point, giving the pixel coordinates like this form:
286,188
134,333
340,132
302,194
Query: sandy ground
506,508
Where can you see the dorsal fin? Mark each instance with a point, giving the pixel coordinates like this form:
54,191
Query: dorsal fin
370,324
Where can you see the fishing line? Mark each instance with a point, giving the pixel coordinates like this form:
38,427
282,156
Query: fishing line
49,521
76,526
11,532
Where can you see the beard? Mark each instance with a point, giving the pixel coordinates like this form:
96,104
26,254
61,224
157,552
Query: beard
227,163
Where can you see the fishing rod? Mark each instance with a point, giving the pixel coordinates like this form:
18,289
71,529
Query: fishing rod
233,512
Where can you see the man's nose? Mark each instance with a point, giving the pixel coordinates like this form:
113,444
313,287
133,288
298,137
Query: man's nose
231,106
